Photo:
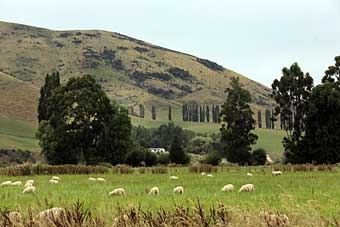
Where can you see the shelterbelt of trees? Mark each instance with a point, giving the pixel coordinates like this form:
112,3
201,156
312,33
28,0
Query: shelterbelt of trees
79,124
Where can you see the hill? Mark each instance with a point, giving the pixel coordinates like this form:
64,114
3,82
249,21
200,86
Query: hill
131,71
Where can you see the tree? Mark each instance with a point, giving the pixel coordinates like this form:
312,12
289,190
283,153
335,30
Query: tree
259,119
169,114
258,157
51,82
84,126
199,145
292,93
162,136
176,152
321,143
237,122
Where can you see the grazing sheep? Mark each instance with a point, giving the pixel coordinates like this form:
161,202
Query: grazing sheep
249,174
210,175
173,178
28,185
203,173
30,189
29,182
92,179
277,173
52,181
228,188
154,191
117,192
247,188
101,180
16,183
55,178
51,213
179,190
6,183
275,219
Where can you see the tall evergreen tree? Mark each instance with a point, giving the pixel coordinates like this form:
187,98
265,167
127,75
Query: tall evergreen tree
207,113
237,123
176,153
141,111
51,82
292,93
153,112
259,119
169,114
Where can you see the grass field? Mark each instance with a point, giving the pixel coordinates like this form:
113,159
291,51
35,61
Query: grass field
295,194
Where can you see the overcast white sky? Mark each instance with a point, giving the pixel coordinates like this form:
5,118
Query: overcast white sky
253,37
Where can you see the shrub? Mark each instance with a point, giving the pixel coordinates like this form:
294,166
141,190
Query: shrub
163,159
258,157
135,158
122,169
150,158
213,158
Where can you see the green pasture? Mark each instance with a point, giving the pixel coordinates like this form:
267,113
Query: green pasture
291,193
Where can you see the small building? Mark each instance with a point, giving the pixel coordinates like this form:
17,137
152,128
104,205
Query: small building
157,150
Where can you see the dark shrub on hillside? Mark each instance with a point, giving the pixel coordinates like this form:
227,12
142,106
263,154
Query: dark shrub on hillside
180,73
258,157
213,158
11,156
211,65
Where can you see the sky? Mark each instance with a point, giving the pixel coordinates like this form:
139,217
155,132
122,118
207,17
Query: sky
256,38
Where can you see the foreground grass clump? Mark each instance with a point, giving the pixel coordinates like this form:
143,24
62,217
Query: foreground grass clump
299,193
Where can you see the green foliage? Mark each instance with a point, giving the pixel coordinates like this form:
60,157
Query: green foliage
213,158
51,82
163,159
12,157
84,126
291,94
199,145
176,153
258,157
139,156
321,142
236,115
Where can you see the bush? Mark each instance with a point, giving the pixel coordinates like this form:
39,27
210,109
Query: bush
150,158
139,156
12,157
213,158
199,145
163,159
258,157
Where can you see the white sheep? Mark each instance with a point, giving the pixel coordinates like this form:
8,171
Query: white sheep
277,173
54,212
92,179
55,178
173,178
210,175
117,192
154,191
28,185
228,188
249,174
203,173
30,189
101,180
247,188
6,183
52,181
29,182
179,190
16,183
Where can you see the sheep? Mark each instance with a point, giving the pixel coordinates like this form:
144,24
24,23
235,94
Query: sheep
203,173
228,188
28,185
30,189
92,179
52,181
51,213
210,175
249,174
101,180
6,183
247,188
173,178
29,182
179,190
117,192
16,183
277,173
154,191
55,178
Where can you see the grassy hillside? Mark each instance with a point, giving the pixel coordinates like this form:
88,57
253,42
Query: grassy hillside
131,71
